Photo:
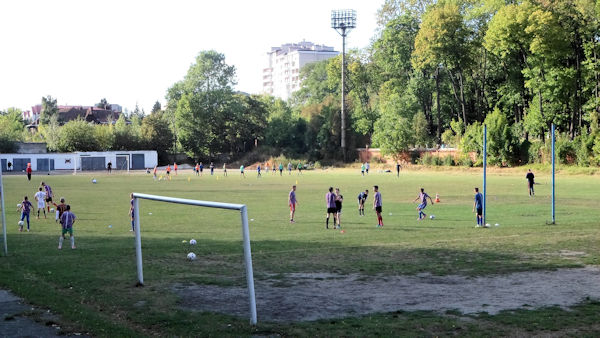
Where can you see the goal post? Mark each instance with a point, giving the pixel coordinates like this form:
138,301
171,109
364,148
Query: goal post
219,205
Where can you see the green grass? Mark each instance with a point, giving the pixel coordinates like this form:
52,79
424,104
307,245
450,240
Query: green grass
93,287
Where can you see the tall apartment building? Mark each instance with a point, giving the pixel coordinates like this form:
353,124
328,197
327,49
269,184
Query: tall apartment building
282,76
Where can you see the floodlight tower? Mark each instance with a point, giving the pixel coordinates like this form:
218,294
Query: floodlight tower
343,21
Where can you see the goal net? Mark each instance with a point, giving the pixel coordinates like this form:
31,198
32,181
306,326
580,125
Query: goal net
208,204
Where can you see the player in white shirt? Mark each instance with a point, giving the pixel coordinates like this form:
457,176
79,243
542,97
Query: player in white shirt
40,197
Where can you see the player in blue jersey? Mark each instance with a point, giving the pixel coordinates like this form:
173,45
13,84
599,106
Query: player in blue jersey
422,198
478,204
362,198
25,207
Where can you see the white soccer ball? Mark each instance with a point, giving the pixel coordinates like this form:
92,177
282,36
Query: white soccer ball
432,216
94,181
497,224
51,209
192,241
487,225
191,256
19,205
21,223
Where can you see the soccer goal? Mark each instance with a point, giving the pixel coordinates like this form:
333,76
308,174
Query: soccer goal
245,234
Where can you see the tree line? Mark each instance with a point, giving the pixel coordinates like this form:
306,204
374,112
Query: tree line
434,74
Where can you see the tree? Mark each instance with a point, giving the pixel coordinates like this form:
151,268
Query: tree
103,104
157,134
77,135
393,134
202,102
49,109
502,144
156,108
11,129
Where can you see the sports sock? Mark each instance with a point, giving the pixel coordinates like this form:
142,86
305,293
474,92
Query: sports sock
72,242
60,241
327,221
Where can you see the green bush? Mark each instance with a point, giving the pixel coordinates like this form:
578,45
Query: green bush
437,160
466,161
565,150
427,159
448,161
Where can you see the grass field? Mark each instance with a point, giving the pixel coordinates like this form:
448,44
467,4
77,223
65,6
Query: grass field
93,287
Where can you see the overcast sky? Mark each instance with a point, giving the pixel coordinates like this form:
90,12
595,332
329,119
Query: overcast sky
131,51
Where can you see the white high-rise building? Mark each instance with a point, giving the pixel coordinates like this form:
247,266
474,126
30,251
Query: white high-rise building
282,76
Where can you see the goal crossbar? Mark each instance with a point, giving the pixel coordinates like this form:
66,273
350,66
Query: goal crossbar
229,206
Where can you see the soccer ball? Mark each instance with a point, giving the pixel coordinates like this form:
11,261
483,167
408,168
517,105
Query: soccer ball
94,181
19,205
432,217
487,225
51,209
21,223
192,241
497,224
191,256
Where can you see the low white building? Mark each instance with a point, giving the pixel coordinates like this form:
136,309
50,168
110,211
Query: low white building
92,160
281,77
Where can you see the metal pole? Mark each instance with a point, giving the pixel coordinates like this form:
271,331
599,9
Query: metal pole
484,170
3,213
553,168
343,117
248,260
138,240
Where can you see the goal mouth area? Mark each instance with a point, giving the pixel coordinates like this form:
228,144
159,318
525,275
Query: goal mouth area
209,204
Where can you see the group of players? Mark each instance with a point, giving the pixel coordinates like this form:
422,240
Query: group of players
334,200
63,215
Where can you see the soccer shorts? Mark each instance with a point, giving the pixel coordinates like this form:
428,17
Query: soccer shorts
69,230
331,210
292,206
422,206
479,211
48,199
378,209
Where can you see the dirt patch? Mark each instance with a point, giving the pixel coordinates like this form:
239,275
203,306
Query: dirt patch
312,296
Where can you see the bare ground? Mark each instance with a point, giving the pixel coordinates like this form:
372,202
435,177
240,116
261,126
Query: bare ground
312,296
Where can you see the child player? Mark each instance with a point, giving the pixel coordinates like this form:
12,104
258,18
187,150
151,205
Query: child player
330,202
25,209
197,169
530,182
49,194
478,204
362,198
338,207
280,169
423,199
292,201
377,205
175,167
224,169
60,208
40,196
67,219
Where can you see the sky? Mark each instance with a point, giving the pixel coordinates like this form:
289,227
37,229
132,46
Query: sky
130,51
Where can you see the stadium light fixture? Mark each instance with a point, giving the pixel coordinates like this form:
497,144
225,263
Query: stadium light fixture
343,21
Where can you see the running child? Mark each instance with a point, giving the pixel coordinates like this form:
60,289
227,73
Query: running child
40,197
292,201
362,198
377,205
423,199
362,169
25,209
169,171
478,204
338,207
67,219
49,195
330,202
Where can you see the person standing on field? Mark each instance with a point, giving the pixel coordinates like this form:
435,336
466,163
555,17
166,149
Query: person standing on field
212,168
362,169
25,210
292,201
280,169
362,198
40,197
28,170
339,199
225,169
330,202
175,168
109,167
367,166
478,204
201,168
377,205
67,219
242,171
132,212
258,171
530,182
398,167
289,168
197,169
49,194
60,208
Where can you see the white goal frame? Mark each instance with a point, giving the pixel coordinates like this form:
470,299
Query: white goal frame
245,234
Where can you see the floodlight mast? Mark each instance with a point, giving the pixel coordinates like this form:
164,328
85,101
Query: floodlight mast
343,21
